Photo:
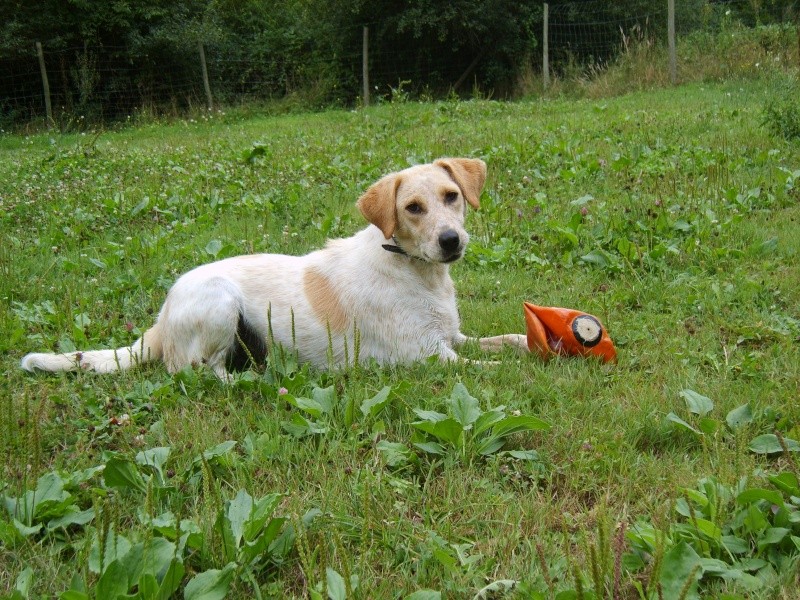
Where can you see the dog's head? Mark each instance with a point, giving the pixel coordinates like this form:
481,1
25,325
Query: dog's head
423,207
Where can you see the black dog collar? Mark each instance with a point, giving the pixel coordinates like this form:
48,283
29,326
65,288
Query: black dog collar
394,248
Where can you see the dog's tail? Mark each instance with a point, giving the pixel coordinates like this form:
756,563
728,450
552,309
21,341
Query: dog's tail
145,349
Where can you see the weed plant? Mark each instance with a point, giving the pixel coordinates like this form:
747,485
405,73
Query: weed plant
725,52
671,215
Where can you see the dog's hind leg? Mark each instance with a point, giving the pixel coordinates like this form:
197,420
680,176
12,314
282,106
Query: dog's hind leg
200,321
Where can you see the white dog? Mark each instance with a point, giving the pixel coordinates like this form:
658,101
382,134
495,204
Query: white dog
358,299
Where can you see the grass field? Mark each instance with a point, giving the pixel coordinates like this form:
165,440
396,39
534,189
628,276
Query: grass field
671,215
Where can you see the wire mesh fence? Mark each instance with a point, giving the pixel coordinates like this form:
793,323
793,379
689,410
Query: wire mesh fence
102,82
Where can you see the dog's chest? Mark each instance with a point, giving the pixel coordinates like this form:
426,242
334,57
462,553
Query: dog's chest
436,308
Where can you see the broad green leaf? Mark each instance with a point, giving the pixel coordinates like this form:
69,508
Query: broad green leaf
336,587
218,451
157,556
489,418
787,483
463,407
447,430
262,511
19,507
770,444
49,488
429,415
735,545
151,557
532,455
48,500
739,417
598,258
697,403
24,582
280,548
754,521
116,547
113,582
751,495
348,418
24,530
73,517
708,529
627,249
154,458
325,397
743,581
312,407
682,225
210,585
716,567
678,421
394,453
772,537
681,565
430,447
147,586
171,581
697,496
567,234
298,426
372,406
144,203
708,425
751,564
123,474
514,424
237,513
213,247
490,445
261,544
446,559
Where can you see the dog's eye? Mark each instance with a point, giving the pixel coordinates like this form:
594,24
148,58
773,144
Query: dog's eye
414,208
450,197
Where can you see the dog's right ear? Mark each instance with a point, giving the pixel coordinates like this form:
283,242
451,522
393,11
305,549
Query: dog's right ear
378,204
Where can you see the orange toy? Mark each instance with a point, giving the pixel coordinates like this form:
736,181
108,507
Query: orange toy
555,330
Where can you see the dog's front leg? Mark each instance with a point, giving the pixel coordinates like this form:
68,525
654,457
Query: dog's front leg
495,343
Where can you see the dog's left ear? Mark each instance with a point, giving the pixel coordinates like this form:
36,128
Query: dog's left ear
378,204
469,174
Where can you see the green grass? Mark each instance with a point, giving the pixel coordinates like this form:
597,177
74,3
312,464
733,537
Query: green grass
671,215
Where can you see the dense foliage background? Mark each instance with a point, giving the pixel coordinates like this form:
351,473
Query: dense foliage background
108,60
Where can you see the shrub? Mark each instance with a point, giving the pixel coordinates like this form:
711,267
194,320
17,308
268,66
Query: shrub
782,110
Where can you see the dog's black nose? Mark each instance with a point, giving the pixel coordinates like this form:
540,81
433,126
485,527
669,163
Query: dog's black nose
449,240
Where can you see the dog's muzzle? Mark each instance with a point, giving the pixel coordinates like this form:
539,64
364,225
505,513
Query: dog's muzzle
450,245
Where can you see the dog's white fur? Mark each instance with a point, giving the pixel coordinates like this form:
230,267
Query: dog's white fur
395,307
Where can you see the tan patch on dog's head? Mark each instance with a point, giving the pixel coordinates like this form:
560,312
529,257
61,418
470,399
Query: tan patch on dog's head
324,300
469,174
378,204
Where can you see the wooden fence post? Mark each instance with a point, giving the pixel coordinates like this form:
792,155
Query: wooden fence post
46,85
546,48
206,84
365,66
673,61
